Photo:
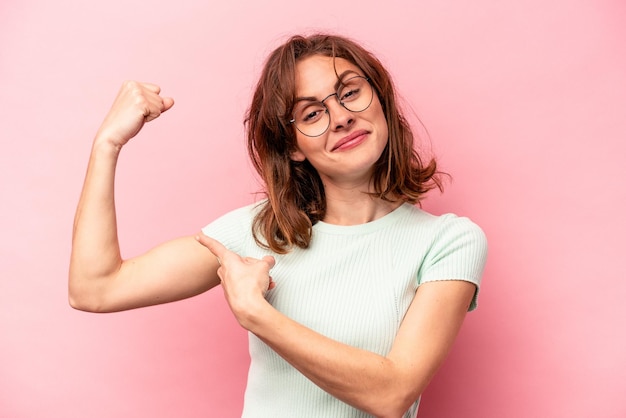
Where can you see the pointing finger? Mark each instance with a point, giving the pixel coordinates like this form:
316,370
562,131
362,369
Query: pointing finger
213,245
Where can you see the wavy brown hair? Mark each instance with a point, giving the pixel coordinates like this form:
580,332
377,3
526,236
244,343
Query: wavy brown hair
294,190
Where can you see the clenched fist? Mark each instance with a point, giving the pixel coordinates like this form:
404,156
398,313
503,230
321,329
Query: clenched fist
135,104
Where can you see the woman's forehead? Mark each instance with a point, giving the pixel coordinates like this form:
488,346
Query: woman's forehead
318,74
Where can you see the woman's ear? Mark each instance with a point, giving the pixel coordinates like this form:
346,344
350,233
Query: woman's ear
297,155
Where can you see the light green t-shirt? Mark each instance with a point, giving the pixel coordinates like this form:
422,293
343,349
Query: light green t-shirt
353,284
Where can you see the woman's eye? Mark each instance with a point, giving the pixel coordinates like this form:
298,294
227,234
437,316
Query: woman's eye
310,114
349,94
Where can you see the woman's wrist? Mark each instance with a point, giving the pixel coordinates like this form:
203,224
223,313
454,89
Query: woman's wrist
105,147
253,315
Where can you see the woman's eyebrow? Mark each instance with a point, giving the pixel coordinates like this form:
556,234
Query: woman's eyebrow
340,77
307,99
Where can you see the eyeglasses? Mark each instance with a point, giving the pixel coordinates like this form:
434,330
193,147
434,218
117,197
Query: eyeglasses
312,118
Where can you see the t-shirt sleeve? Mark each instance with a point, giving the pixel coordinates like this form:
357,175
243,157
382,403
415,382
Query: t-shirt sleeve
458,252
232,228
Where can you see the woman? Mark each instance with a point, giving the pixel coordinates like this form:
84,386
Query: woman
352,295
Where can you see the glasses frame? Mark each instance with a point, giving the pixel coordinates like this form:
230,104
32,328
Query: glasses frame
336,94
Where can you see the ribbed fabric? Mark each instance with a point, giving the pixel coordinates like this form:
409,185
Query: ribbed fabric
353,284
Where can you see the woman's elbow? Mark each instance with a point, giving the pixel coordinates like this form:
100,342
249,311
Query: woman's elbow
396,401
81,299
82,304
394,409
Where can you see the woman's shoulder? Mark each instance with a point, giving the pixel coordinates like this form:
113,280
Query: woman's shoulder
419,215
239,219
442,225
234,228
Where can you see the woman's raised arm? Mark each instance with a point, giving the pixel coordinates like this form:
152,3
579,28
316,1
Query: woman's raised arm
99,280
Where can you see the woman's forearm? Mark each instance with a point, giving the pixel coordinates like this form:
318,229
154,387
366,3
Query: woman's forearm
383,386
365,380
95,247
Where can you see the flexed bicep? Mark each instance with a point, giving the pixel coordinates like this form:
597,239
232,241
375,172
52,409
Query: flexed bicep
174,270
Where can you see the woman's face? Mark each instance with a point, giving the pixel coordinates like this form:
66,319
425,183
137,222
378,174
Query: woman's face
354,141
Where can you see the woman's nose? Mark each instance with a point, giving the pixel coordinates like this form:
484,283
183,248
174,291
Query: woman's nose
340,117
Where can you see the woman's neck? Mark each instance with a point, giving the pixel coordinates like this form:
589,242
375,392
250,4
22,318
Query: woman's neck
354,206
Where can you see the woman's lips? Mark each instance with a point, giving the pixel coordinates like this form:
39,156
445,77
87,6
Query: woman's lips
350,141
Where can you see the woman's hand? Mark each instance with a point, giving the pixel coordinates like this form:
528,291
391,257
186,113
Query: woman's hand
245,280
135,104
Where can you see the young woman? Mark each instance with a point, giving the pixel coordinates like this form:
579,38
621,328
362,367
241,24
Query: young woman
352,295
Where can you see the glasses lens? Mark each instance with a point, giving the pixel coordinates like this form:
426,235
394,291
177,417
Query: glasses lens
355,94
313,119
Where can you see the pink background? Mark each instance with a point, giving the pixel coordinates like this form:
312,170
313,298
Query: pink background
525,103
